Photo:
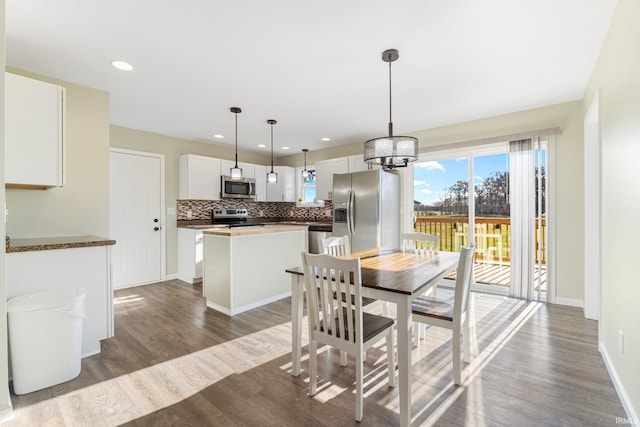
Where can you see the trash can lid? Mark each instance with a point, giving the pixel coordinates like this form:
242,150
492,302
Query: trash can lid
61,299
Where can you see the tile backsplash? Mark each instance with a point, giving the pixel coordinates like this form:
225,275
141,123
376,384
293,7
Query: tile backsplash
201,209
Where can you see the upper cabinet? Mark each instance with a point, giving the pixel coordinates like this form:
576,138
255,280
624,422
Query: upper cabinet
357,164
248,169
34,133
285,189
324,175
199,177
261,183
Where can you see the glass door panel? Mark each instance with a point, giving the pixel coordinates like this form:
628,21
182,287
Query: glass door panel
441,201
491,221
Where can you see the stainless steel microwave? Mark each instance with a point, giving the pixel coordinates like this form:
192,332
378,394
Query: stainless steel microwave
243,188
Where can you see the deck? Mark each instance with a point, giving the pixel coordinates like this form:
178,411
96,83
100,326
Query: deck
497,274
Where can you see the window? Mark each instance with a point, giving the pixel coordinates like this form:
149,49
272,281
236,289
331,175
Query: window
308,187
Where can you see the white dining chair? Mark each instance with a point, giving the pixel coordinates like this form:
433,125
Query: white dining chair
339,246
336,246
420,241
454,316
341,322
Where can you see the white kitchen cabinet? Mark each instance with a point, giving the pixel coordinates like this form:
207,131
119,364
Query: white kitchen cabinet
248,169
190,255
324,175
285,189
199,177
34,133
65,269
261,183
357,164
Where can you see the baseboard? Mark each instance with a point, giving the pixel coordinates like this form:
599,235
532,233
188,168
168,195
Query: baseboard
632,415
92,353
6,411
238,310
189,280
568,301
172,276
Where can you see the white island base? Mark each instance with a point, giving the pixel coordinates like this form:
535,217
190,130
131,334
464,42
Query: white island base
244,268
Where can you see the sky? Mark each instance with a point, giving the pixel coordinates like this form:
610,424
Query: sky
430,179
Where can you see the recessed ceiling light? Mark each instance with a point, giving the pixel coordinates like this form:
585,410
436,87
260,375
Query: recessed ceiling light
261,145
218,136
121,65
286,148
325,139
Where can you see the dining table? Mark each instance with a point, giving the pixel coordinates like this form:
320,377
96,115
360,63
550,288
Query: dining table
388,274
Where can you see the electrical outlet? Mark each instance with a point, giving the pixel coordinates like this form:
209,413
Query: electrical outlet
261,213
290,213
189,214
621,341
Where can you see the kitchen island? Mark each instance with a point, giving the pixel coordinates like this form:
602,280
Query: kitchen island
244,267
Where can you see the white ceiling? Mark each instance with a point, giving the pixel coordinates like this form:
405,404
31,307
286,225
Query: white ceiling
314,66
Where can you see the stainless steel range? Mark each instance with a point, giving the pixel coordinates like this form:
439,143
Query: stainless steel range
233,218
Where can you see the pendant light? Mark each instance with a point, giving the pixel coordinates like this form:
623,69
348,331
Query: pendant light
391,151
272,177
236,172
305,172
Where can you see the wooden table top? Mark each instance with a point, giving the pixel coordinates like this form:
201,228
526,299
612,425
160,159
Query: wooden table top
397,271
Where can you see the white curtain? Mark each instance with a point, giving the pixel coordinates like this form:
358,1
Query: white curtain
522,191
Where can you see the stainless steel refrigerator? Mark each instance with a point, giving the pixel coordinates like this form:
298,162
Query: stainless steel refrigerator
366,207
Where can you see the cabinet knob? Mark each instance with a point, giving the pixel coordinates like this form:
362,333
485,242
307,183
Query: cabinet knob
156,228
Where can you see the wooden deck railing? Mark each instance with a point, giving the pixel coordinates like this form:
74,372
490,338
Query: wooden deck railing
492,235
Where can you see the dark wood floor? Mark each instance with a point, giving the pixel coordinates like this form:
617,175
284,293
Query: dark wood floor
175,362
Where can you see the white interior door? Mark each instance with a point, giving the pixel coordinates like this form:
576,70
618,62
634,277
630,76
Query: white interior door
136,220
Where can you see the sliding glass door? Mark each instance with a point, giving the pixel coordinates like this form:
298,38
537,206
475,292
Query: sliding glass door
445,204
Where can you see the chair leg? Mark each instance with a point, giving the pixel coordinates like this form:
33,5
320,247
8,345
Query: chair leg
313,366
385,309
391,358
416,333
466,341
343,358
359,368
457,369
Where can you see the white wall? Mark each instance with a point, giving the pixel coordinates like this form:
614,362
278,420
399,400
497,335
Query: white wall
5,401
616,76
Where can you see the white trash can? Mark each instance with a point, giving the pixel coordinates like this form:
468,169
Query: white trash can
45,338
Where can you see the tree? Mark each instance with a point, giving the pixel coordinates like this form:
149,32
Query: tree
460,195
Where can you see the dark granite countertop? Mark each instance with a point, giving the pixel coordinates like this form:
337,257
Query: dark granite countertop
50,243
205,223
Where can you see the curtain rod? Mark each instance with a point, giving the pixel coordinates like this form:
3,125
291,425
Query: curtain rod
491,140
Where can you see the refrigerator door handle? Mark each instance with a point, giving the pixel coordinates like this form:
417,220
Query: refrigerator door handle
351,215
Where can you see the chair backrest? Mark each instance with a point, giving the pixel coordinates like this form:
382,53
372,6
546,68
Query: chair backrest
424,241
336,246
464,276
333,286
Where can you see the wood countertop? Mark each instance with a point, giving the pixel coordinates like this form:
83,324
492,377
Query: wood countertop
50,243
250,231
